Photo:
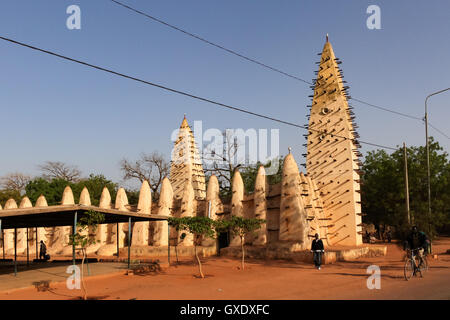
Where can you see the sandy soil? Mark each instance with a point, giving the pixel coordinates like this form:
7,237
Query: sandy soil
267,280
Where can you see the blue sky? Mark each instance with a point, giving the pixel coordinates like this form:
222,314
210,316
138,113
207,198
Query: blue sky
55,110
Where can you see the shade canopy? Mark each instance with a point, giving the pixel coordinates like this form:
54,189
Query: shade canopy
63,215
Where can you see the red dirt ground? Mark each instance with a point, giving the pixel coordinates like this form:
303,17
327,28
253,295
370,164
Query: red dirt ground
267,280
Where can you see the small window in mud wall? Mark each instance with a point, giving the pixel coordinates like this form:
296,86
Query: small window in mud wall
325,111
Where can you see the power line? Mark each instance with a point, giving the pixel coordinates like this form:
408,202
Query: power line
209,42
387,110
258,62
438,130
401,114
182,92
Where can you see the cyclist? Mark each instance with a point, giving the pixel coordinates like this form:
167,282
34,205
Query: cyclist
417,241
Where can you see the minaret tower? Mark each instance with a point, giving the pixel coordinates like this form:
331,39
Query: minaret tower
186,164
332,155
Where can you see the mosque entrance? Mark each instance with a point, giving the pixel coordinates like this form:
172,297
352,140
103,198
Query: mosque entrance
223,240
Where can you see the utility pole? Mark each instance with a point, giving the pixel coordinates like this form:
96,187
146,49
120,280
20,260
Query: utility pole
428,157
405,158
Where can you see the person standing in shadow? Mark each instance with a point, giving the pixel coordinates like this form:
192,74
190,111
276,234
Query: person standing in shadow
42,251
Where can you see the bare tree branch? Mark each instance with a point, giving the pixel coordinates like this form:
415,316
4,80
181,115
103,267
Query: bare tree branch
15,181
222,165
152,167
60,170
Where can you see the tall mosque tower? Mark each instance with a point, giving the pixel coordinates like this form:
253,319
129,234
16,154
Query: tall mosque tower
332,154
186,164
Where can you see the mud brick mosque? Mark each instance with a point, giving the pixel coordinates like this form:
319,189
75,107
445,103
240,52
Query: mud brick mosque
325,199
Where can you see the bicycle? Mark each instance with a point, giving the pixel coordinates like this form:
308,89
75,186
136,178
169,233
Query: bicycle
424,262
412,268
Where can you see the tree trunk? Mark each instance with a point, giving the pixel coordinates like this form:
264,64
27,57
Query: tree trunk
243,252
199,262
82,276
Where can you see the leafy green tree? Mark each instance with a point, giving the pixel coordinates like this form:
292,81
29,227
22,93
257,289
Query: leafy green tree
81,238
53,189
5,195
95,184
242,227
200,227
133,196
383,188
249,173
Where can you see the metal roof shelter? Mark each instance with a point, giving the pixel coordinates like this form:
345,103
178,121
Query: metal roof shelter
66,215
63,215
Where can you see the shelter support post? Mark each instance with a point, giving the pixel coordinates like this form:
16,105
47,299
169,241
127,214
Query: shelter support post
168,242
74,230
28,251
15,252
3,243
3,240
37,241
129,241
117,240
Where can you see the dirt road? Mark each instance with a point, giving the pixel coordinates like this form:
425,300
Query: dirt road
268,280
